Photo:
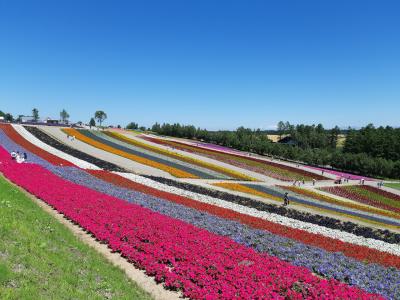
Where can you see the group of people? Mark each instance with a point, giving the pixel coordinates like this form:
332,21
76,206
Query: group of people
18,157
298,182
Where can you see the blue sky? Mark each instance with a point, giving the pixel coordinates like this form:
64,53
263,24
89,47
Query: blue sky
215,64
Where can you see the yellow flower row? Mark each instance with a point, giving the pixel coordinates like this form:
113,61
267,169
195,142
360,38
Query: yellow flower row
173,171
244,189
179,156
321,197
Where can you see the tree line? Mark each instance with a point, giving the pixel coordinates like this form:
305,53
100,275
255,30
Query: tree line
369,151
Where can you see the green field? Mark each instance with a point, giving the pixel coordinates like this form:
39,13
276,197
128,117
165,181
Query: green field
393,185
42,259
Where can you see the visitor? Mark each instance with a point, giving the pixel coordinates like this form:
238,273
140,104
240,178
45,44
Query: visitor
25,157
362,181
13,155
322,172
19,159
294,182
304,182
286,199
313,182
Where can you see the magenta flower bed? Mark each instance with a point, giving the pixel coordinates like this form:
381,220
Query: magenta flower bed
216,147
342,174
201,264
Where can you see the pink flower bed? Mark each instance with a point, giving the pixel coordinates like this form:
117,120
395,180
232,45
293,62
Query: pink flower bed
182,256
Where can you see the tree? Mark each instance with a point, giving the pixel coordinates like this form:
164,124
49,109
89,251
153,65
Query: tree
92,122
100,116
35,114
132,125
64,115
8,117
281,129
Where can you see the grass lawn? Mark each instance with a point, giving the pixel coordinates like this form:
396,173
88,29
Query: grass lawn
393,185
42,259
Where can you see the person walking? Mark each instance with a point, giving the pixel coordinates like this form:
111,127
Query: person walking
286,199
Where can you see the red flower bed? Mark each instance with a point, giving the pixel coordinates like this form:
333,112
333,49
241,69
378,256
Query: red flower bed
201,264
17,138
329,244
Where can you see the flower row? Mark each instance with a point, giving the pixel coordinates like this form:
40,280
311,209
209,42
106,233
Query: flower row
364,196
108,139
16,137
271,169
328,222
179,156
35,141
318,196
277,194
184,257
45,138
173,171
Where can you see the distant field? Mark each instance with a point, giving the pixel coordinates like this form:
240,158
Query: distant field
393,185
42,259
340,143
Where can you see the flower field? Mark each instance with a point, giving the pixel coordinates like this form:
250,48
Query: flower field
324,198
368,195
209,244
66,149
276,194
267,168
148,162
178,254
188,159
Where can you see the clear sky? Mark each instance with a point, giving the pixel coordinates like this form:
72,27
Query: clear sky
215,64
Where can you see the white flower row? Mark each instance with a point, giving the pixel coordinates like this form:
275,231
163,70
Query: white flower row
32,139
297,224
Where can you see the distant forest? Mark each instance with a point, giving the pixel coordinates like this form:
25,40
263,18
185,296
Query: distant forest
368,151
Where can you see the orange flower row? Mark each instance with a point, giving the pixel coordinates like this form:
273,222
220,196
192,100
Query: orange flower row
173,171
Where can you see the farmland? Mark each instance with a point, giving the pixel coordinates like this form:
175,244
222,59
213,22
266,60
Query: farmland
206,221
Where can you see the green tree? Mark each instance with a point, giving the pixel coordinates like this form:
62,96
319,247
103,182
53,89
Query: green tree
64,116
8,117
35,114
100,116
281,128
92,122
132,125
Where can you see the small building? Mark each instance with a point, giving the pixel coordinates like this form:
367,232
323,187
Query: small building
27,119
51,121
